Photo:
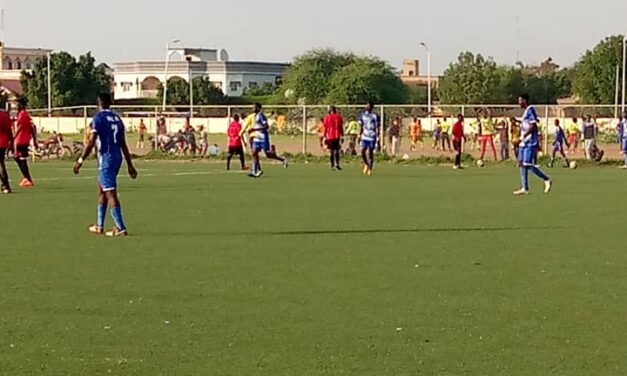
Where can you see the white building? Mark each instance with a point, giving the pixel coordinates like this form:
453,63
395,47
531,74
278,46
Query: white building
14,61
142,79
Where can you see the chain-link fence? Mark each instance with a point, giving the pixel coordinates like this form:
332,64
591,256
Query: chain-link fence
297,128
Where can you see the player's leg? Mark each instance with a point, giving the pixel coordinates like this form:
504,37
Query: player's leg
553,155
338,155
493,147
101,213
4,175
116,213
563,154
371,157
242,158
331,151
364,156
21,158
483,143
229,157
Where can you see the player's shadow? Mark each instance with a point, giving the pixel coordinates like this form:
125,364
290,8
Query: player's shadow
417,230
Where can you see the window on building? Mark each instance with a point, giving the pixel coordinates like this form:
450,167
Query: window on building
235,85
126,86
278,80
253,85
9,65
18,65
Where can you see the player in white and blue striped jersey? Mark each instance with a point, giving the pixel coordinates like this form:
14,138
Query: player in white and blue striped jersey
369,122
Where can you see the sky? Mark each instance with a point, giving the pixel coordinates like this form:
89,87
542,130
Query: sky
277,30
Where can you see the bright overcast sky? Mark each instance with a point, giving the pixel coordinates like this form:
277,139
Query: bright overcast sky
276,30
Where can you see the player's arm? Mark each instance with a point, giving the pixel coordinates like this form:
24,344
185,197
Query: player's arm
91,143
129,160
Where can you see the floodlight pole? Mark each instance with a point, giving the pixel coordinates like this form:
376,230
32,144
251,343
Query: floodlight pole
624,71
49,86
165,75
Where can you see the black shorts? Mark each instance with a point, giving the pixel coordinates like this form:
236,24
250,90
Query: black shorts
334,144
22,152
457,146
3,153
236,150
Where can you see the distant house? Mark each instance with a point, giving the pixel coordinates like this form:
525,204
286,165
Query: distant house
141,79
410,75
14,61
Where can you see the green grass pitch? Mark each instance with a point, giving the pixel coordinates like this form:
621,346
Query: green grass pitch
413,271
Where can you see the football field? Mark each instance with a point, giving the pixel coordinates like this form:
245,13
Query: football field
415,270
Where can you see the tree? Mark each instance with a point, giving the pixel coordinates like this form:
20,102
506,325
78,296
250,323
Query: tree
366,79
595,72
265,89
204,92
74,82
472,79
309,76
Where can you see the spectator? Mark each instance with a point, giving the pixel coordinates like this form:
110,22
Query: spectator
589,132
458,141
487,135
394,135
352,130
446,138
321,134
503,130
203,139
141,129
516,136
415,133
573,136
437,134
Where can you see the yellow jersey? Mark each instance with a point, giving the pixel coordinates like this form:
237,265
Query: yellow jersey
445,126
487,127
248,122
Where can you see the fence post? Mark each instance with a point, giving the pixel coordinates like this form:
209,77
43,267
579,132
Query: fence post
382,129
304,129
156,140
546,130
84,121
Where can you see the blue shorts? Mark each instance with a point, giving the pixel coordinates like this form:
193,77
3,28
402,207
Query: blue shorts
624,145
108,178
558,147
259,145
369,144
527,155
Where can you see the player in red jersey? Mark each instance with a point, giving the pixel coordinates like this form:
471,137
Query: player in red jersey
6,142
236,146
333,136
24,134
459,138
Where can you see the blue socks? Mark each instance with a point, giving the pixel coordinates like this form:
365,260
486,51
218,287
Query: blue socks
102,213
524,178
116,213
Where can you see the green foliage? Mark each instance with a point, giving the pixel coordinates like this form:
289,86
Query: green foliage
417,94
204,92
309,76
471,79
475,79
595,72
266,89
74,81
366,79
326,76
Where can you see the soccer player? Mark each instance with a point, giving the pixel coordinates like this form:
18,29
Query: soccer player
108,132
458,141
415,132
334,136
6,142
260,133
437,135
487,134
24,134
529,148
589,132
623,145
235,143
369,122
558,144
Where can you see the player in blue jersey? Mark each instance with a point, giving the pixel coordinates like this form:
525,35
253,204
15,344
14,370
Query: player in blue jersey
369,122
259,131
558,144
529,147
107,133
623,147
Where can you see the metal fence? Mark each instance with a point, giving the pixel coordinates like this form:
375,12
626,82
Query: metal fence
301,122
